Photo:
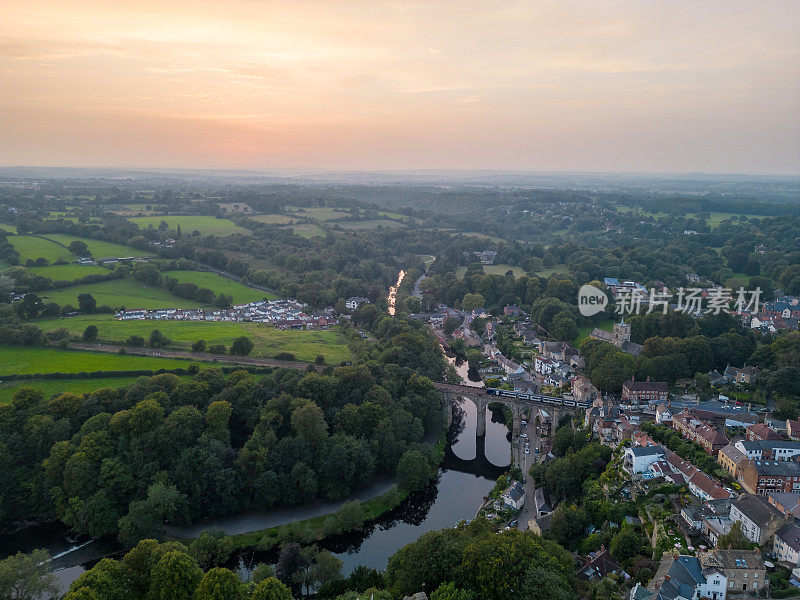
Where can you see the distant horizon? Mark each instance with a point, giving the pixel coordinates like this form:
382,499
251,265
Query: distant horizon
388,170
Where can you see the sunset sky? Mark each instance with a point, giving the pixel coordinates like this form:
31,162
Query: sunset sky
635,86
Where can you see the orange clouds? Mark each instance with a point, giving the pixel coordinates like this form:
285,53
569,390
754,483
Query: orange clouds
617,85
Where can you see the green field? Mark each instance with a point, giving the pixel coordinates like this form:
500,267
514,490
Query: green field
372,224
584,331
305,345
547,271
98,248
220,285
30,247
718,217
69,272
494,270
308,230
273,219
129,293
189,223
10,228
51,387
320,213
24,360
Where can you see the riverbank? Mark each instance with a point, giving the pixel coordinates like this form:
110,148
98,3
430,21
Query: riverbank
264,531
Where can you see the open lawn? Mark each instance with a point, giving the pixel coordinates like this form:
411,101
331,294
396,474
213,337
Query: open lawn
220,285
51,387
584,332
206,225
33,247
98,248
25,360
129,293
718,217
308,230
546,272
272,219
10,228
69,272
372,224
305,345
321,213
494,270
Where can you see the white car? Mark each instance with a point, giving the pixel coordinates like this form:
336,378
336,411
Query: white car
523,435
527,450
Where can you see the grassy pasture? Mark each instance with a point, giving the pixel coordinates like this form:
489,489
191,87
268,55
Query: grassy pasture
547,271
268,341
31,247
69,272
51,387
273,219
26,360
220,285
121,292
494,270
9,228
308,230
206,225
321,213
98,248
371,224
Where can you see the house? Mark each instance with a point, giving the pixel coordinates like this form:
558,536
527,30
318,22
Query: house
510,310
683,578
715,377
759,519
638,459
769,449
354,302
793,429
540,525
743,570
543,365
786,545
730,457
705,488
663,415
759,431
764,476
583,390
541,504
600,565
514,496
741,375
699,432
644,392
786,502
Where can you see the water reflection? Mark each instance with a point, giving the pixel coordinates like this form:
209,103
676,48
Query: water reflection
455,495
393,292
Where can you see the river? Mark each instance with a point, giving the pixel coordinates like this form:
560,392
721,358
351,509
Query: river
462,483
392,299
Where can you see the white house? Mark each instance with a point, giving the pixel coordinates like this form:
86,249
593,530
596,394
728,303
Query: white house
354,302
639,458
514,496
663,414
786,544
769,449
759,519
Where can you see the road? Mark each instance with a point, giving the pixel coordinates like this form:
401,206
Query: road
198,356
524,461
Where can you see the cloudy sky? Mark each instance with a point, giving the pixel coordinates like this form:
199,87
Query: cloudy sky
639,85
